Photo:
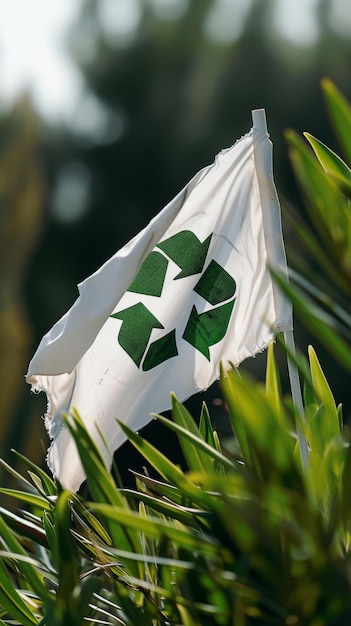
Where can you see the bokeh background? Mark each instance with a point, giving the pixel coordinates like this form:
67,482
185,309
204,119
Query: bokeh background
107,108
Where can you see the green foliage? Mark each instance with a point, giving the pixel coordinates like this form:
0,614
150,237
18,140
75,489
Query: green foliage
325,184
240,537
245,535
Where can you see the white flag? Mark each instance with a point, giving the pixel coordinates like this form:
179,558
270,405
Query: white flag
191,290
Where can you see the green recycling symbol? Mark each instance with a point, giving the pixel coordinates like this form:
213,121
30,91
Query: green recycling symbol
202,330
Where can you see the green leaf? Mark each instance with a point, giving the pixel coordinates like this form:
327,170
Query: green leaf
186,515
159,487
328,208
321,254
205,426
22,558
29,498
100,481
333,165
316,320
203,607
29,572
198,444
159,461
24,527
346,488
48,484
326,300
16,475
66,550
12,602
340,114
116,554
168,470
50,533
269,442
228,385
193,452
88,587
155,528
329,426
90,523
273,392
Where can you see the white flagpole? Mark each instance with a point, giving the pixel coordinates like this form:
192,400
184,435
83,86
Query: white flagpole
260,122
296,396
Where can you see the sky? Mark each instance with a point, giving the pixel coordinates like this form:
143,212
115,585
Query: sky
33,55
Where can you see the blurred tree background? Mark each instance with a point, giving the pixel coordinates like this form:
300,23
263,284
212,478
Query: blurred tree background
167,84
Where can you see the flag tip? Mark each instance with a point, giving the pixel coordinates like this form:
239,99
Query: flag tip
259,119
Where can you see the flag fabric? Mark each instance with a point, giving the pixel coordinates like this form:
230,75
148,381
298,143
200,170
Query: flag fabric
193,289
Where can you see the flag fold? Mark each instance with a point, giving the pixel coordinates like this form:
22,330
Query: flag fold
193,289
